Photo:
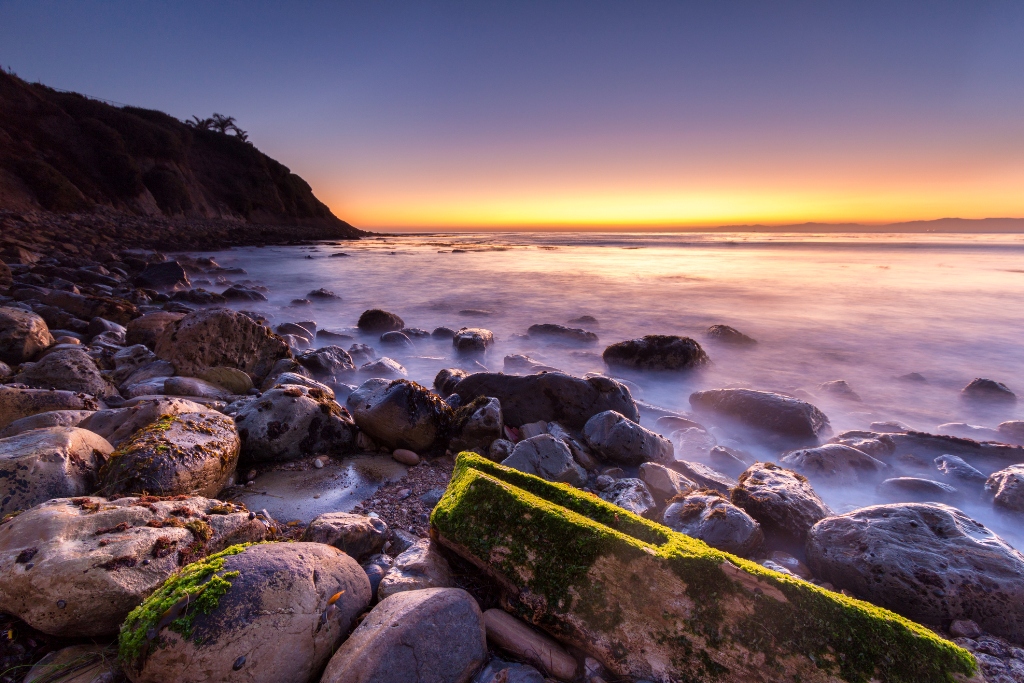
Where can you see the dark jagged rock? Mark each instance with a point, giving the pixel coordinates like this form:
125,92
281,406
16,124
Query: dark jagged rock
656,352
163,276
988,391
781,500
562,333
785,417
377,320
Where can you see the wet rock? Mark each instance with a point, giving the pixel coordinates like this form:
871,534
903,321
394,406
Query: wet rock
243,293
418,567
548,458
1012,431
987,455
617,439
184,454
232,380
839,388
147,328
305,331
694,443
835,464
1006,488
109,329
729,461
292,421
729,335
77,664
194,388
376,320
987,391
163,276
784,417
516,637
118,424
551,396
704,476
399,641
362,354
476,425
562,333
220,337
376,568
447,378
397,340
890,427
470,340
782,501
709,516
357,535
968,431
282,611
51,462
400,414
327,364
54,418
928,562
323,293
22,335
384,367
5,371
878,446
18,402
915,489
663,483
630,494
671,423
959,472
77,566
517,364
656,352
443,333
149,379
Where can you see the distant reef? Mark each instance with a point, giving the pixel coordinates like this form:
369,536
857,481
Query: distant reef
73,168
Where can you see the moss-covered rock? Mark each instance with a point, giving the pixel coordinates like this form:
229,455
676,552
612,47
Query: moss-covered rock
651,603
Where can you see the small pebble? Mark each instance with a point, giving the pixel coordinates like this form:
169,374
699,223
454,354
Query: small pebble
406,457
61,604
373,514
239,663
318,463
404,493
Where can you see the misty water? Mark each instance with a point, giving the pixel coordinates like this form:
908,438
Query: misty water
862,308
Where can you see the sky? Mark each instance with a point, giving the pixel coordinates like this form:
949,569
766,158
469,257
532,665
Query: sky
560,114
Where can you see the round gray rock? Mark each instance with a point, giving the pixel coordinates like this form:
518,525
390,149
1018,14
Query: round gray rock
709,516
615,438
292,421
400,414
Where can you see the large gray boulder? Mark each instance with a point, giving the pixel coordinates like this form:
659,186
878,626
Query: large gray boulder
782,501
400,414
292,421
17,402
191,454
551,396
926,561
357,535
22,335
835,464
75,567
220,337
548,458
118,424
615,438
656,352
52,462
280,611
784,417
1006,488
709,516
417,567
428,636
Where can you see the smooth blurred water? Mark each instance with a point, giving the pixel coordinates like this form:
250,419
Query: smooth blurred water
864,308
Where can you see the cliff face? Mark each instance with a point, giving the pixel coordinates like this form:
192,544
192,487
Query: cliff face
62,152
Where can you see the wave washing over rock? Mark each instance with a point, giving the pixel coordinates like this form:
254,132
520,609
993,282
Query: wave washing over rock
498,458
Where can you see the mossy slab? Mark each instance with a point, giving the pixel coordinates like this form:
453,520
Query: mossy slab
652,603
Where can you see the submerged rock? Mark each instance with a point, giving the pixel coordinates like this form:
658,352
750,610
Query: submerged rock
562,333
709,516
400,414
472,340
929,562
781,500
377,320
22,335
656,352
615,438
987,391
729,335
917,490
839,388
784,417
957,470
835,464
292,421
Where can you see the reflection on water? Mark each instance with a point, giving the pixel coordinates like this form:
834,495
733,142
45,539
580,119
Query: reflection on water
863,308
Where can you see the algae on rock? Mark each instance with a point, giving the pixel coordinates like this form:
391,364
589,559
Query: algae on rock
652,603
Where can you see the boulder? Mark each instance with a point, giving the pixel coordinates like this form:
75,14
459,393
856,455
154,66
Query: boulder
267,613
397,341
839,388
552,396
664,483
323,293
476,425
100,327
498,671
656,352
22,335
54,418
75,567
400,414
358,535
184,454
784,417
926,561
1006,488
149,379
165,275
987,392
327,364
362,354
194,387
650,603
428,636
515,636
548,458
957,471
705,477
51,462
243,293
376,320
630,494
782,501
68,369
470,340
615,438
17,402
118,424
77,664
984,455
292,421
418,567
916,489
729,335
562,333
835,464
146,329
220,337
709,516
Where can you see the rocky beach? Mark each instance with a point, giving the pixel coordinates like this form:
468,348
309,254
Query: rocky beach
262,464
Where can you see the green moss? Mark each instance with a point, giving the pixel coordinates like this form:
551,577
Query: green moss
194,589
545,538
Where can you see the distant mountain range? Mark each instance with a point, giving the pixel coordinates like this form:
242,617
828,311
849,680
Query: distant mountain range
979,225
69,154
